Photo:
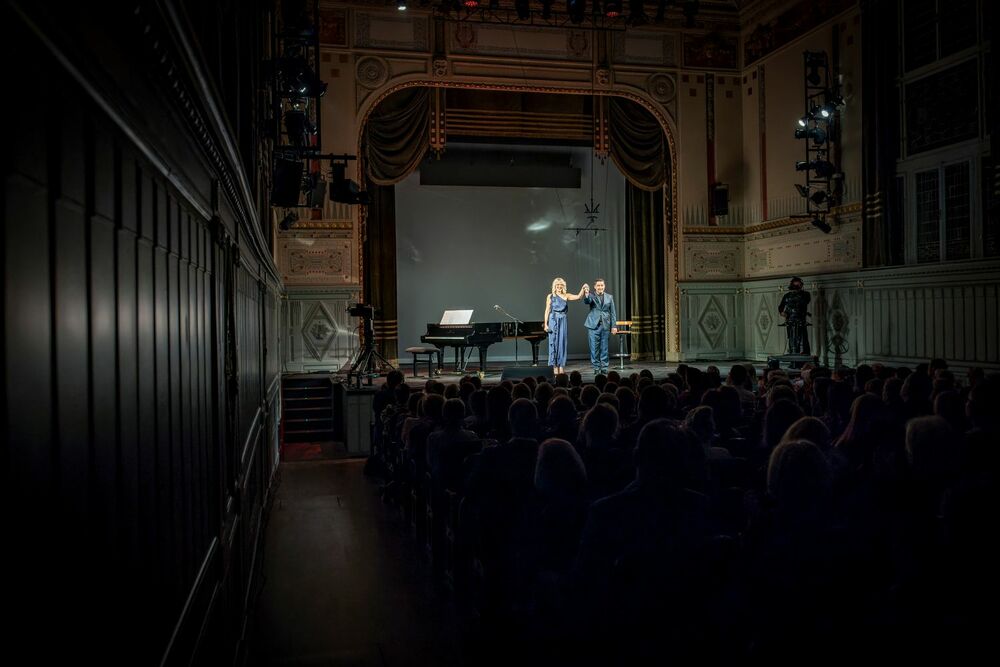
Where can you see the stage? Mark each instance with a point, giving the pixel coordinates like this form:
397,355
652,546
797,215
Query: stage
659,369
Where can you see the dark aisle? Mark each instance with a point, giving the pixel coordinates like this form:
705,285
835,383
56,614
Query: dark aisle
343,582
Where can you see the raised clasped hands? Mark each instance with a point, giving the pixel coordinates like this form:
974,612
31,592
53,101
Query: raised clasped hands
586,288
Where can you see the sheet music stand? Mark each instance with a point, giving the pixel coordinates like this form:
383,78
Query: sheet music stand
454,317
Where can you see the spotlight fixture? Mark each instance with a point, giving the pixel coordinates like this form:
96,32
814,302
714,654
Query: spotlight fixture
818,197
298,79
576,9
612,8
822,168
470,4
288,221
298,128
814,61
821,224
817,134
342,189
401,5
804,121
523,8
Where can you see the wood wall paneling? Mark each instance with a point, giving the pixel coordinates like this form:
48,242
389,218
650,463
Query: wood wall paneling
117,486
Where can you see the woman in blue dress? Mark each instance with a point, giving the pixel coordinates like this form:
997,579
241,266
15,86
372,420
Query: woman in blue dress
556,304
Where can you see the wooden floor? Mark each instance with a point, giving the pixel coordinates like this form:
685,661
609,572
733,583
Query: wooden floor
344,584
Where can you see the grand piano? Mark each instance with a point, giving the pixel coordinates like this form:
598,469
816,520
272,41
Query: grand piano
481,335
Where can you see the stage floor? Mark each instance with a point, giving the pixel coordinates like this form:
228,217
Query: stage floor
493,373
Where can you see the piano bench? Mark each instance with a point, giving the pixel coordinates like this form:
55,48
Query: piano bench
430,351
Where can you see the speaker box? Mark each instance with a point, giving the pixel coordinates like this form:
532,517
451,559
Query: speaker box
516,373
720,199
287,182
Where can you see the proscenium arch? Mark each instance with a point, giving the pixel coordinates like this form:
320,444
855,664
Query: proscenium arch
672,227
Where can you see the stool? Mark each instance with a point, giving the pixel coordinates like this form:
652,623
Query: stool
624,330
430,351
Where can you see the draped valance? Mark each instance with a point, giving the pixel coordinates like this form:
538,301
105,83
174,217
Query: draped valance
397,136
638,145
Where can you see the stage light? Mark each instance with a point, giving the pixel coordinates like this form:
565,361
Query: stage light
523,8
817,134
470,4
612,8
286,182
576,9
401,5
298,128
804,121
342,189
298,79
288,222
822,168
814,61
821,224
819,197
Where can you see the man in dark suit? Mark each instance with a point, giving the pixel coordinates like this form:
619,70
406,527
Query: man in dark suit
600,324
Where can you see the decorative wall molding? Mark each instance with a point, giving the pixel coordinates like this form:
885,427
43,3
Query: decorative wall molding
318,332
315,258
396,31
713,258
803,249
901,315
371,71
636,47
483,39
661,87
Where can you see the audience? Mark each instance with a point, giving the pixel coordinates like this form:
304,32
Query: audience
710,519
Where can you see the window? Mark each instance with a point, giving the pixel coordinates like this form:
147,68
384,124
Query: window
934,29
957,234
928,232
991,209
942,108
943,213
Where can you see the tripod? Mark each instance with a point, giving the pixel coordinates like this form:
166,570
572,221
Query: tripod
369,362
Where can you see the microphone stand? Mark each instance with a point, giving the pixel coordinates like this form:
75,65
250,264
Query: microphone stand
517,333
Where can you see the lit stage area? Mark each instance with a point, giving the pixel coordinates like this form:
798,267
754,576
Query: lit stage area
485,226
488,227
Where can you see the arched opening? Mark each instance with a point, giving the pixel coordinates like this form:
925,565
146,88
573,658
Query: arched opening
619,128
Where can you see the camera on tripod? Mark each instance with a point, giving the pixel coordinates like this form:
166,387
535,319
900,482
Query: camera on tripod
362,310
369,363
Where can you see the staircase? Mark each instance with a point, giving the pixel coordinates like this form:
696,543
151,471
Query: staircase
307,409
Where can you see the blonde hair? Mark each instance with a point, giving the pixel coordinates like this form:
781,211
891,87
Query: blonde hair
556,282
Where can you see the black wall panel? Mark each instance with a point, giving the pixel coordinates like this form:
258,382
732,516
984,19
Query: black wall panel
139,343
